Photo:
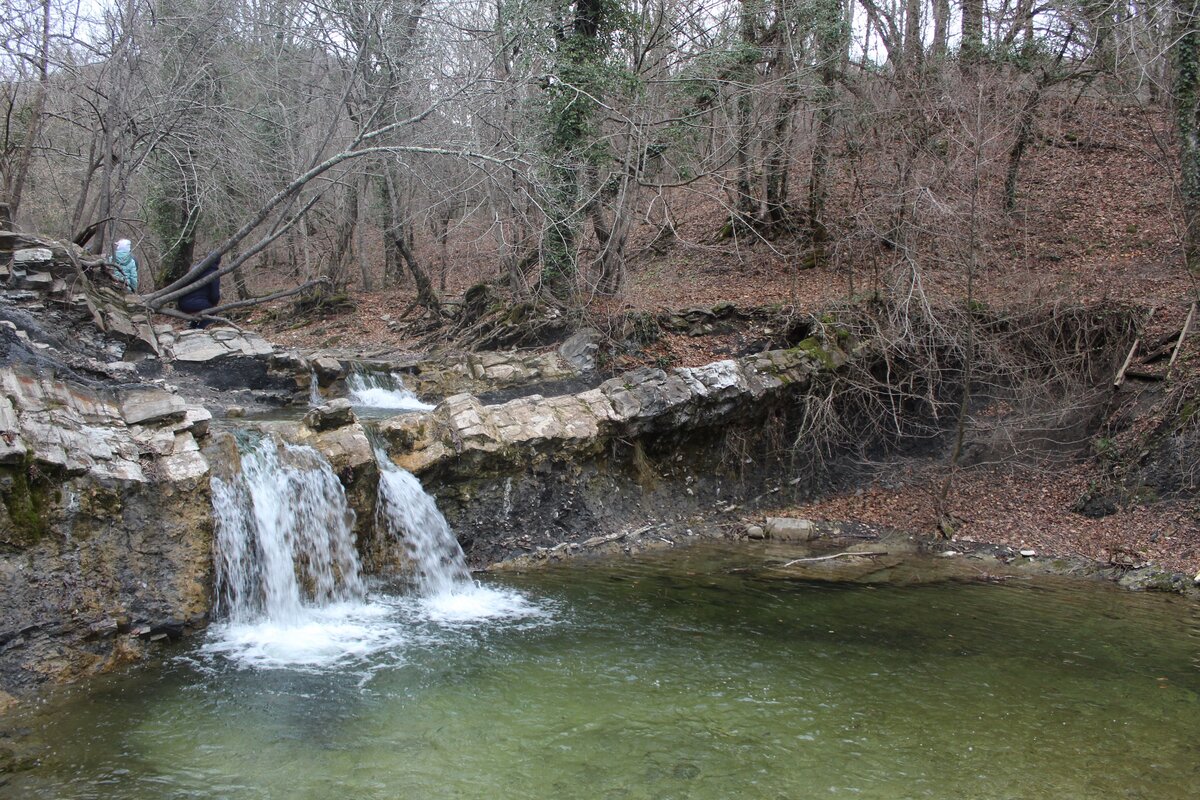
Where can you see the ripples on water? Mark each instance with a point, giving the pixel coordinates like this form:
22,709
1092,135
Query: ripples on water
664,678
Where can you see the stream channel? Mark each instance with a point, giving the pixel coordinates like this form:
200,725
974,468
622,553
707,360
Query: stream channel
691,673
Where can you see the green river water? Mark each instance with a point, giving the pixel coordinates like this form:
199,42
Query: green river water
669,676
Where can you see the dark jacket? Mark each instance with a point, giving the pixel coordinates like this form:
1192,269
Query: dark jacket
203,297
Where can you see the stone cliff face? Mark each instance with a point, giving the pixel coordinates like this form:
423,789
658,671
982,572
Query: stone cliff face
104,525
105,521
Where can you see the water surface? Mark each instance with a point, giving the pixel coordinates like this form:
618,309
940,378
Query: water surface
666,677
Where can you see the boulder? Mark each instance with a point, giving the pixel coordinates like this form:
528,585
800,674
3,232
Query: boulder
580,350
334,414
141,406
791,530
328,369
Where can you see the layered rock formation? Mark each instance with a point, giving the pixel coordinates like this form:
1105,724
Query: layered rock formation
104,524
105,520
647,447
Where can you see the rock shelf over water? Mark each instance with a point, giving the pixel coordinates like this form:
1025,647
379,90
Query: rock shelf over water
643,401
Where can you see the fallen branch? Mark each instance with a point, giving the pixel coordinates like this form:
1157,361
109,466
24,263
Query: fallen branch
170,312
253,301
1117,381
871,554
1182,335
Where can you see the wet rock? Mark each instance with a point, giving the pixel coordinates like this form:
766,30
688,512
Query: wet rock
1154,579
328,369
755,532
334,414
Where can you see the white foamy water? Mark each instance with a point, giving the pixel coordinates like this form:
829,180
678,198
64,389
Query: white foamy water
317,638
284,538
409,515
290,588
380,630
474,603
386,391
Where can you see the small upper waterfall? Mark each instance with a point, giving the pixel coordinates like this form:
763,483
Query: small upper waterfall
407,513
284,536
382,390
314,390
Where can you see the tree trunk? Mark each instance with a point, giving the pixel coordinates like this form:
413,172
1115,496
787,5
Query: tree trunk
831,41
1024,137
360,238
941,28
914,47
778,165
427,296
33,127
972,31
1186,60
745,205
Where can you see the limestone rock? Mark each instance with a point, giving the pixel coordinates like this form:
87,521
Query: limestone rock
346,448
334,414
580,350
328,369
30,256
197,419
197,345
643,401
151,405
792,530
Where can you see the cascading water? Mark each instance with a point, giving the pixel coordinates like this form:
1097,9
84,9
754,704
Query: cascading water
382,391
314,390
409,514
290,586
284,536
446,592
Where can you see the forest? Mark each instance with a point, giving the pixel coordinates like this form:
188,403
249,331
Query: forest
561,149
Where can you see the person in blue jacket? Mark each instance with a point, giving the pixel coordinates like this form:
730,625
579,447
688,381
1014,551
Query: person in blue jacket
204,297
125,265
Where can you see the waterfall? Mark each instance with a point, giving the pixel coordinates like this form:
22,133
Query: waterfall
314,389
283,536
410,515
382,390
290,592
